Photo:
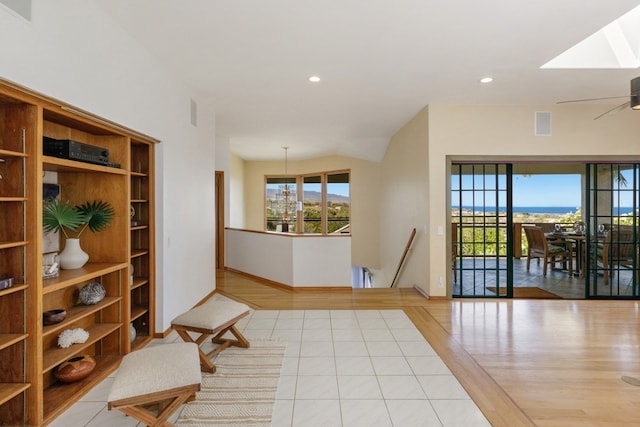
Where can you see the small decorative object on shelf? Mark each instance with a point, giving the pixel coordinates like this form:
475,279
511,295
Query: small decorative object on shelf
131,270
50,265
132,214
132,332
92,293
52,317
6,283
72,256
72,336
75,369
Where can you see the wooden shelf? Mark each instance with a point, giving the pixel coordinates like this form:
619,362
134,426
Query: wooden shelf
78,312
7,340
59,396
55,356
11,153
55,164
10,390
138,311
7,245
138,252
138,174
13,199
139,281
140,341
14,288
72,277
17,246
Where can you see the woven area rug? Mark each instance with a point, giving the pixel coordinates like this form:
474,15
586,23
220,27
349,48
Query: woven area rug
526,292
242,391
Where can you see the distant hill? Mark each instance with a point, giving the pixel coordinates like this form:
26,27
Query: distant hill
314,196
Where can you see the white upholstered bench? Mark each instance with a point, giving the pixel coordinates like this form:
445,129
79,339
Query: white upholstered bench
214,317
151,383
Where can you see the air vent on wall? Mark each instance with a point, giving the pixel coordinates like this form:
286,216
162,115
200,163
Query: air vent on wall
194,113
543,123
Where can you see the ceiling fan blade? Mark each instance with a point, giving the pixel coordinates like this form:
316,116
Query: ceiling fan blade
614,110
592,99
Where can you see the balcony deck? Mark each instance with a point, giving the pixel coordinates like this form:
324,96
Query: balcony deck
557,282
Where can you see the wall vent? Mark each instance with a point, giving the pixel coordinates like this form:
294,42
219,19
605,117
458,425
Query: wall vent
543,123
194,113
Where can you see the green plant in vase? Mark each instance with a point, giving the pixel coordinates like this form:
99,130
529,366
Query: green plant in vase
72,221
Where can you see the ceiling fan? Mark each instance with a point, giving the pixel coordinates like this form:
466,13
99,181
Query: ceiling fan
633,102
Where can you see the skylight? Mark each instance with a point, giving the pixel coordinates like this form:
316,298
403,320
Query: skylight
617,45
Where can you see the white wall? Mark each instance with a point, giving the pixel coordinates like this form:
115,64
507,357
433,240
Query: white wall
292,260
404,191
223,163
236,193
72,51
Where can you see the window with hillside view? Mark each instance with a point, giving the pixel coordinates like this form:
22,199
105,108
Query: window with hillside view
280,204
323,197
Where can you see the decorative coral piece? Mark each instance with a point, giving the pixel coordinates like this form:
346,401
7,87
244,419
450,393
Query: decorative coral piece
72,336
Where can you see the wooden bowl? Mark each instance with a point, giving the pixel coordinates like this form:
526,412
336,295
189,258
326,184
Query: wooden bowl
75,369
52,317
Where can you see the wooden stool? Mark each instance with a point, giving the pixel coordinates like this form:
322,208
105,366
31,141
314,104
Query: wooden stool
161,377
214,317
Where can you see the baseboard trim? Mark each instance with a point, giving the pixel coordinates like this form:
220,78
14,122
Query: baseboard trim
288,287
421,291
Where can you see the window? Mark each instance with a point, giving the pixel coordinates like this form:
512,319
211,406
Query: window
280,204
312,204
323,205
338,203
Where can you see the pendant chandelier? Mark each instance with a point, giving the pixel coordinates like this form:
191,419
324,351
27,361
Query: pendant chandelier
285,199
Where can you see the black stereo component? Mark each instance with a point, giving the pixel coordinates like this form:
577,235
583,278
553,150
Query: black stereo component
73,150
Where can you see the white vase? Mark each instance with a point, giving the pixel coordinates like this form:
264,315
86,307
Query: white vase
132,332
73,256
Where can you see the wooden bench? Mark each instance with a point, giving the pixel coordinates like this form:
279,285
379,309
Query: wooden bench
214,317
151,383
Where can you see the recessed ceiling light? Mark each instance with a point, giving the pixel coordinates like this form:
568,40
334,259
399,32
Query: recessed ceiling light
314,79
486,80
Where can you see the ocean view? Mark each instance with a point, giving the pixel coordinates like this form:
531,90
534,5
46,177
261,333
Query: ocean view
554,210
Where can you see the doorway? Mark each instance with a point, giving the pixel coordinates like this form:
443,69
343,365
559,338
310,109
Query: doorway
219,219
489,247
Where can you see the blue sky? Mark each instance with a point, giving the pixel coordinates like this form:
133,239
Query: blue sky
546,190
539,190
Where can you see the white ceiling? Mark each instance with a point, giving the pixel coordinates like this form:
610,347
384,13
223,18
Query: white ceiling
381,61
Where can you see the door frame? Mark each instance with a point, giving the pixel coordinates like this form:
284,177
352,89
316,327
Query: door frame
219,219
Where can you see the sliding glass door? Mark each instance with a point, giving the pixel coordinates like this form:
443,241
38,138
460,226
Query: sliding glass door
591,210
611,248
481,230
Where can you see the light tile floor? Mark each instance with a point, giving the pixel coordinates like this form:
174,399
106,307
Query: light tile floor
346,368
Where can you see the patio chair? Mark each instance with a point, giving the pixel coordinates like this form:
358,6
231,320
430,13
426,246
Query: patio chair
540,248
617,249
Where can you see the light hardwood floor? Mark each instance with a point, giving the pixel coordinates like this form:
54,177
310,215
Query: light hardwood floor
524,362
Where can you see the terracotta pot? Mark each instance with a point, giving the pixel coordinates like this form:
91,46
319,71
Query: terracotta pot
75,368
